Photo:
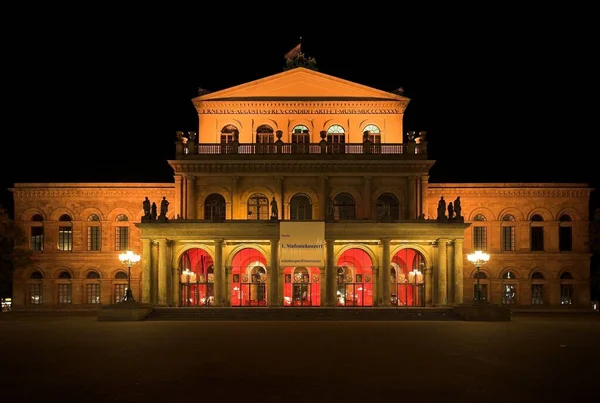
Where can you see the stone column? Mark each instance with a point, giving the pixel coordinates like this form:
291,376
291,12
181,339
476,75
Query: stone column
154,272
324,196
376,286
234,185
330,278
367,197
412,197
163,272
450,273
227,285
442,267
279,195
424,188
428,286
218,269
174,299
458,271
274,274
385,273
323,285
191,197
178,202
146,271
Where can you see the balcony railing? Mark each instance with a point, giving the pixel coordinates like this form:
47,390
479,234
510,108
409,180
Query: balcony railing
192,148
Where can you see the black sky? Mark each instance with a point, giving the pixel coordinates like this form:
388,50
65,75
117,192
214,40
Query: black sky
501,102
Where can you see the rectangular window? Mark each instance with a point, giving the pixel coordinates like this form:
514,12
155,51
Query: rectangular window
65,238
565,239
566,294
93,238
121,238
537,239
537,294
480,238
508,239
64,294
120,292
35,294
93,293
36,239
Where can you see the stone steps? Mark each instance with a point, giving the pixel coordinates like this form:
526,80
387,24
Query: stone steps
302,314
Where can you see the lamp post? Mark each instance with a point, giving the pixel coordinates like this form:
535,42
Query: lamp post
478,258
129,258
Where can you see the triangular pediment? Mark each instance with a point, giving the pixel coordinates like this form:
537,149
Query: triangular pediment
299,83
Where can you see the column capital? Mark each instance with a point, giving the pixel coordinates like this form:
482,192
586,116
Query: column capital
190,177
219,241
367,178
385,240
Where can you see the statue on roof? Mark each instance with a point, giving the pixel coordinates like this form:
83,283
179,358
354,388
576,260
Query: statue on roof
296,58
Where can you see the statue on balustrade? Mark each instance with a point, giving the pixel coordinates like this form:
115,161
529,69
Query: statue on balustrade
153,213
458,209
274,209
441,210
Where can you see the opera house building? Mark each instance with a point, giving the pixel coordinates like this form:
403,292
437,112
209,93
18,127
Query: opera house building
302,189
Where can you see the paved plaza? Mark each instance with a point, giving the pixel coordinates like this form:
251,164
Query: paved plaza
52,358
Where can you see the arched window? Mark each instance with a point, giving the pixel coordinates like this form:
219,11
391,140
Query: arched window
122,232
65,233
64,288
344,208
229,133
567,288
264,134
300,207
36,288
94,237
509,288
300,135
92,288
36,233
565,233
214,207
336,139
120,286
373,133
387,207
537,233
258,207
508,233
537,288
479,233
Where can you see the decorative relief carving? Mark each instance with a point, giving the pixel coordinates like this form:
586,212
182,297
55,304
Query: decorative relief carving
24,193
569,193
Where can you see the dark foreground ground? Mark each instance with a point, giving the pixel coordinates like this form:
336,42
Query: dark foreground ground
56,358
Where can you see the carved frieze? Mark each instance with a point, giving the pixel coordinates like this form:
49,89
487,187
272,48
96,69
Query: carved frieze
508,192
107,193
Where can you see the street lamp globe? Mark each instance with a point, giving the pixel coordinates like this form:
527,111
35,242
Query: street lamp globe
129,258
478,258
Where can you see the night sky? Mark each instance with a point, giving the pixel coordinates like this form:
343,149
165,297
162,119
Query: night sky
83,105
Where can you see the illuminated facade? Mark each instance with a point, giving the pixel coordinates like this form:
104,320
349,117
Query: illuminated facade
316,171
